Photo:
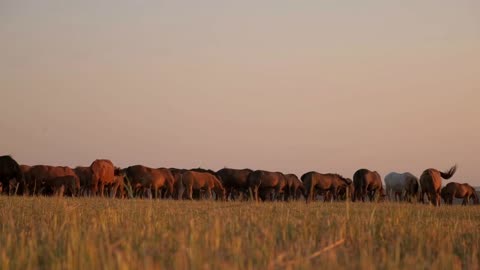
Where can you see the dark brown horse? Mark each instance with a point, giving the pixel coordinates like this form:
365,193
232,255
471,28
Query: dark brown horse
412,188
10,171
318,182
368,183
460,191
295,186
234,181
346,192
267,184
57,186
431,184
85,176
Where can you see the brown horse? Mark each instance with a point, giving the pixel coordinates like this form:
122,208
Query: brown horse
459,191
178,188
144,180
431,183
103,174
37,177
369,183
202,181
117,189
58,185
346,192
314,181
412,188
85,176
234,181
295,186
265,183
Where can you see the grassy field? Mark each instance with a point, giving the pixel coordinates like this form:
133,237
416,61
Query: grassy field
56,233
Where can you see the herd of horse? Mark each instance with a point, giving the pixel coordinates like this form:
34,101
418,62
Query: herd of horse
102,178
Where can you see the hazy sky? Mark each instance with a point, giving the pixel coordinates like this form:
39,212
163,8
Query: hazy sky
331,86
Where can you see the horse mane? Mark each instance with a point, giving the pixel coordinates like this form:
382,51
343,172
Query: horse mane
339,176
200,169
346,180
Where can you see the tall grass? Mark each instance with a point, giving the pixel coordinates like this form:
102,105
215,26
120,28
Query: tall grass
94,233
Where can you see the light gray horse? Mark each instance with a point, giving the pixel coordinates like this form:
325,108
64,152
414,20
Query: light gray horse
401,186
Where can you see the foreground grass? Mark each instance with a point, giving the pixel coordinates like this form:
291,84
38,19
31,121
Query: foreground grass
56,233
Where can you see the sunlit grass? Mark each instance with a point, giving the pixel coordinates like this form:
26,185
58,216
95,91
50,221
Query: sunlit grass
83,233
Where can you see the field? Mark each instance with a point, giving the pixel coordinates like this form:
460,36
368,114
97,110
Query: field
84,233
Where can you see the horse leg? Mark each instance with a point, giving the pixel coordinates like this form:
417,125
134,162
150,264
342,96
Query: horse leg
209,193
452,197
115,189
436,196
408,196
335,195
228,192
275,193
466,200
190,192
369,195
308,196
252,193
286,195
430,198
102,187
364,193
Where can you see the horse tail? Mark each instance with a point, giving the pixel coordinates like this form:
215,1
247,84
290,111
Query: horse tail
416,188
475,196
180,187
448,174
308,187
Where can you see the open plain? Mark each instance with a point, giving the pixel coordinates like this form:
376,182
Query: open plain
97,233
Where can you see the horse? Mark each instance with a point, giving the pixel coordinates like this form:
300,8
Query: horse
314,181
262,184
431,184
202,181
403,186
367,182
234,181
459,191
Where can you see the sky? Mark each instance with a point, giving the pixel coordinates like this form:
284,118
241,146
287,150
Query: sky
291,86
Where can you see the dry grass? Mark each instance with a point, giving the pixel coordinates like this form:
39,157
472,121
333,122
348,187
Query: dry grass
55,233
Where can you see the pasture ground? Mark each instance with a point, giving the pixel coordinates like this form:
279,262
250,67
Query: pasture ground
94,233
